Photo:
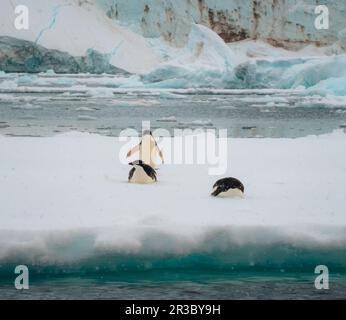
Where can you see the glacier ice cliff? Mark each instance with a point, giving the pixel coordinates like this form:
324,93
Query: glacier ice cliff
290,73
205,61
182,43
24,56
288,23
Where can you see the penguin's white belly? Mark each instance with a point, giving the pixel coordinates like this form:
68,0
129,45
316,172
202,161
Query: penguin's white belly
139,176
231,193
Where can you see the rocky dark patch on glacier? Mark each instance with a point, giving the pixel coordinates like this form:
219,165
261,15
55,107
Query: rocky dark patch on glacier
18,55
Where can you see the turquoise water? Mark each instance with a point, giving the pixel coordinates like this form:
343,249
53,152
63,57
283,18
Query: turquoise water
279,272
179,285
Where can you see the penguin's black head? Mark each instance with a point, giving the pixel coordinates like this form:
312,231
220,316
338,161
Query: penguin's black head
241,188
147,132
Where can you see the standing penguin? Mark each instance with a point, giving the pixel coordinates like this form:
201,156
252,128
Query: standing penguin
148,149
228,187
141,173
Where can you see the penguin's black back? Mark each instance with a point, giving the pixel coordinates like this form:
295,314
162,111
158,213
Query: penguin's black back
225,184
149,171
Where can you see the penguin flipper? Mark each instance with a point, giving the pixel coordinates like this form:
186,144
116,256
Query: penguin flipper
132,171
133,150
150,171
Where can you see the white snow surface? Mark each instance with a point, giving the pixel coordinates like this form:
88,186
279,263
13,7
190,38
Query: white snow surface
58,191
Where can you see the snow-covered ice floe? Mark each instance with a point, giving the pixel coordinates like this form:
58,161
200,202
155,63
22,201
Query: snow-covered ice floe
167,119
106,86
66,205
12,89
199,123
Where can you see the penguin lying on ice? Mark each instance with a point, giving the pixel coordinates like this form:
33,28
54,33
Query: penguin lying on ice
141,173
228,187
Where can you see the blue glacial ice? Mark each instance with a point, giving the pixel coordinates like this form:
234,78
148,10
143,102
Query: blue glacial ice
290,73
330,86
25,56
182,44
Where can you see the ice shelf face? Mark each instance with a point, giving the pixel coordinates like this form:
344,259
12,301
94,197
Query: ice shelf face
26,56
182,44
